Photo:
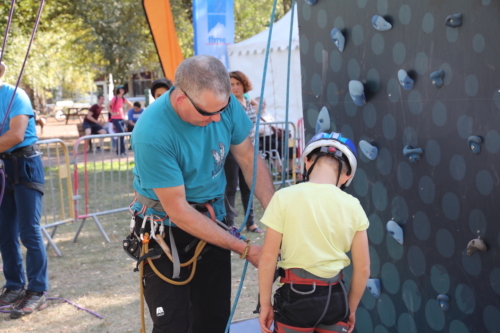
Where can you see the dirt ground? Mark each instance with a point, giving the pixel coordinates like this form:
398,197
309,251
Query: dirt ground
99,276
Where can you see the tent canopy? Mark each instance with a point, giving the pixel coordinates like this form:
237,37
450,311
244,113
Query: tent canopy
248,57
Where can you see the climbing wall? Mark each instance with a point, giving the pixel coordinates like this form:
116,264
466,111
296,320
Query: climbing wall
451,195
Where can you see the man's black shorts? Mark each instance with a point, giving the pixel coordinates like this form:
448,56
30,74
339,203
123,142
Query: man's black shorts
94,128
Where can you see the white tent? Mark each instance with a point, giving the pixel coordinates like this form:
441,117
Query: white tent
248,57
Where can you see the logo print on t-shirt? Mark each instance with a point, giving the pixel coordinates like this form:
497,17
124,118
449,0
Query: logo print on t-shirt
159,312
219,158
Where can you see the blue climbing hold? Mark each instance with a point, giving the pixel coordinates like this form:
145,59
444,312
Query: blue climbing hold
338,39
368,149
475,143
323,122
395,231
405,80
311,2
373,286
413,154
437,78
380,23
444,302
454,21
357,92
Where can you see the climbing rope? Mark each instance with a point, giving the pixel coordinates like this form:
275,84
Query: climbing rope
259,112
5,308
6,35
7,28
256,144
285,147
42,2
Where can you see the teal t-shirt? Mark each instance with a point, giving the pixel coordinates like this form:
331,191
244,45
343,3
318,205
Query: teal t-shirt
170,152
21,105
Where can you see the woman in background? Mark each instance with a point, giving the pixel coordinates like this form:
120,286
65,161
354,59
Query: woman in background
240,85
115,109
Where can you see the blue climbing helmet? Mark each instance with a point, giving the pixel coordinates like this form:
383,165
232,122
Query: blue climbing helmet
333,145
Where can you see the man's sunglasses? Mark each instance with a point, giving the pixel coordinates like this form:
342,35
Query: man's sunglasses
205,113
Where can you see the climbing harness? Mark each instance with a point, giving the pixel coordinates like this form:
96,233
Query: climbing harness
333,145
152,228
24,151
15,156
295,276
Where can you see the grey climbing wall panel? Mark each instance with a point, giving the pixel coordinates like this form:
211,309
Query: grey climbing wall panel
450,196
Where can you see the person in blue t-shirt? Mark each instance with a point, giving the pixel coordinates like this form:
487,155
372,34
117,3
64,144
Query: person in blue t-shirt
180,146
21,206
133,115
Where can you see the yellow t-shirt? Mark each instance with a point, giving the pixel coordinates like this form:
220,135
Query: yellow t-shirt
318,223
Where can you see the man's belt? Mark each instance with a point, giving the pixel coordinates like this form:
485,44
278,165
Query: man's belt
156,204
25,151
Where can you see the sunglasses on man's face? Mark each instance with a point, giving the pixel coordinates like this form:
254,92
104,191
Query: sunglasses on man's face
205,113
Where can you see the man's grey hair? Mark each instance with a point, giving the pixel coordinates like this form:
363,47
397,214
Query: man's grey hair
203,73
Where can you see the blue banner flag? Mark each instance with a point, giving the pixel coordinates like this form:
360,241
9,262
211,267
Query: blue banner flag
213,28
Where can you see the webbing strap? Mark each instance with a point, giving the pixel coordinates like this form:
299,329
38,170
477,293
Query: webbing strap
150,203
301,276
175,254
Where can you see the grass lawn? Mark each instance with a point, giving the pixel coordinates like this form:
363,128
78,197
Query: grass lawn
99,275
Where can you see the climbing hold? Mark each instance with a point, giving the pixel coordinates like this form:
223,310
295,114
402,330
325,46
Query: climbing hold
413,154
311,2
380,23
368,149
357,92
437,78
338,39
323,122
444,302
373,286
405,80
475,143
454,21
395,231
476,244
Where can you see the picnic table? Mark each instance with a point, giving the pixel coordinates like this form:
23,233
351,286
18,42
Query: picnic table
76,110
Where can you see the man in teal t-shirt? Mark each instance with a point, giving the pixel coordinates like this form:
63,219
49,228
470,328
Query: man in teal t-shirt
180,146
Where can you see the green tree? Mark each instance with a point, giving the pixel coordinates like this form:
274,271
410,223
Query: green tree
80,40
118,35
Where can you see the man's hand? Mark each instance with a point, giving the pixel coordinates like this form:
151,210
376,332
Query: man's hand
266,318
351,322
254,255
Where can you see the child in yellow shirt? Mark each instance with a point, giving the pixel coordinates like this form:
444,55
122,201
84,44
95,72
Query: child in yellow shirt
315,224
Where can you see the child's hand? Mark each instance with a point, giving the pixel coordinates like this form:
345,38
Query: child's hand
351,321
266,318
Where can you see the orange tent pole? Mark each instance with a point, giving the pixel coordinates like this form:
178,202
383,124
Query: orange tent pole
161,23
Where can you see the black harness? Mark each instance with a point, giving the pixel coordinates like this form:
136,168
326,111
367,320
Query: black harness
15,156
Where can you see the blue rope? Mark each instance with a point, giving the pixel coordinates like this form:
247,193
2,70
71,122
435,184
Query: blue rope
254,176
233,310
257,124
7,29
285,155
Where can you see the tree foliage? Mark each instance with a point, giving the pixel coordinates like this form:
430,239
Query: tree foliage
78,41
